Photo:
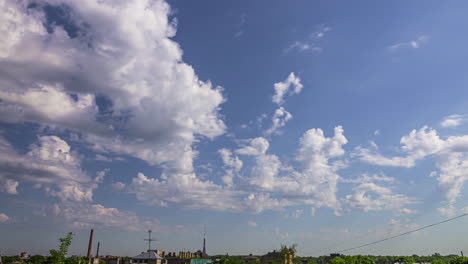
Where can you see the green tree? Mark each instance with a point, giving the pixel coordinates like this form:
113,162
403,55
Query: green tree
438,261
59,256
75,260
459,260
37,259
337,260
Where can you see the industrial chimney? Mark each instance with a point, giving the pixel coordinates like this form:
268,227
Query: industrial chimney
90,243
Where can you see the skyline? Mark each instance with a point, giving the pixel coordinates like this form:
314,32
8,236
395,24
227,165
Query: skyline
323,123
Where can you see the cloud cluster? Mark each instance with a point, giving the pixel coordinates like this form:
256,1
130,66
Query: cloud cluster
106,71
110,73
50,165
85,216
451,156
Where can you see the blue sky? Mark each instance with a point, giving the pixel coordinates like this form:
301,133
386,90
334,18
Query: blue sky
322,123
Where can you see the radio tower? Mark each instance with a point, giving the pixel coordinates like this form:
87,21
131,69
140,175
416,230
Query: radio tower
149,240
204,242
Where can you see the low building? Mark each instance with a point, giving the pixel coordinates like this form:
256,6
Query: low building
24,256
149,257
272,257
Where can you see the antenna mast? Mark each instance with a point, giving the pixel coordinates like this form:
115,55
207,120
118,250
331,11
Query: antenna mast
149,239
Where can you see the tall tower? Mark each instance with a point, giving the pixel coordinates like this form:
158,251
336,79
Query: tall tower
204,245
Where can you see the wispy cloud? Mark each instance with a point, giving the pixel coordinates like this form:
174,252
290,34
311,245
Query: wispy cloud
454,120
311,42
414,44
252,223
240,27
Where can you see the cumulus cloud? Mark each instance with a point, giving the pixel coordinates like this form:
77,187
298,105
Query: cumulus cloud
417,145
256,146
454,120
292,84
267,185
414,44
315,183
279,119
105,74
451,156
4,218
51,165
371,195
232,163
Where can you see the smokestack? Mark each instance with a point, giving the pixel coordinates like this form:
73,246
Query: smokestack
97,253
90,243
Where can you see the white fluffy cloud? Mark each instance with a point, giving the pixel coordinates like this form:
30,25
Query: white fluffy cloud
292,84
370,196
111,73
279,119
232,163
417,145
51,165
257,146
451,156
268,185
315,183
107,71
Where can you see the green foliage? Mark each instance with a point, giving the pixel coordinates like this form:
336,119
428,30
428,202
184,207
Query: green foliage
288,250
459,260
438,261
337,260
59,256
37,259
232,260
75,260
359,259
10,259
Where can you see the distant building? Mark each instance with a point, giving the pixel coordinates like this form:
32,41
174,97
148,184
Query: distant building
149,257
250,258
272,257
24,256
113,260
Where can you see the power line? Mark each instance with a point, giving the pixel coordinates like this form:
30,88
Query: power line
405,233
